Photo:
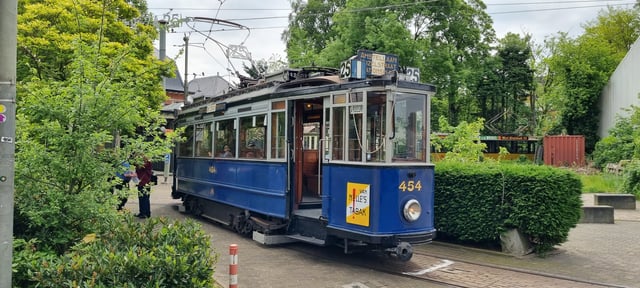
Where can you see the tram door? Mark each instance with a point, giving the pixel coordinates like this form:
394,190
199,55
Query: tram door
307,131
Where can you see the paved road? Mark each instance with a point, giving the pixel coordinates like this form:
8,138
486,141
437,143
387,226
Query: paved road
602,253
280,266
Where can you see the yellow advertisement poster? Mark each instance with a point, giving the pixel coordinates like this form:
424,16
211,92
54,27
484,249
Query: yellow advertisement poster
358,203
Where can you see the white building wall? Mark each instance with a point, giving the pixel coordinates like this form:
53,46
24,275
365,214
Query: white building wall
622,91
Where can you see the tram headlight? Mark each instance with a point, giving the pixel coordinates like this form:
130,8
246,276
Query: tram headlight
412,210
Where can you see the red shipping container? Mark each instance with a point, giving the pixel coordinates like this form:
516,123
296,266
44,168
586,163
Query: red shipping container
564,150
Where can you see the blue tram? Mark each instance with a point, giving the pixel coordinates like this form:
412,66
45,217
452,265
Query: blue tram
313,157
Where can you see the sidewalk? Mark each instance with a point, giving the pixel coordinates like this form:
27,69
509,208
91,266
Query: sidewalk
603,253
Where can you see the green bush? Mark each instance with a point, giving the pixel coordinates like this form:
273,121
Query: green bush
631,178
154,253
619,145
475,203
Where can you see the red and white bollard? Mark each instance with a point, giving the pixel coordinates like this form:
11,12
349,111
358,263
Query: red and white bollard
233,266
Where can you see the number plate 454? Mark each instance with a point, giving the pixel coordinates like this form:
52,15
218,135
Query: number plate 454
410,186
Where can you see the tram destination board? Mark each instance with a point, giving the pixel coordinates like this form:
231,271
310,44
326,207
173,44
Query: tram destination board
378,64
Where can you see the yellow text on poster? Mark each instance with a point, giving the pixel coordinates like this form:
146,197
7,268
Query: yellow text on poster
358,203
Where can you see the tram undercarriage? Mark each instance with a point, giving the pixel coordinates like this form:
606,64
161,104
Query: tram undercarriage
306,226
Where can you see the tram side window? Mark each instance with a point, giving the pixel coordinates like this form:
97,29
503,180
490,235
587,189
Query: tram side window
186,147
355,133
376,116
409,137
337,137
203,139
225,135
278,135
252,136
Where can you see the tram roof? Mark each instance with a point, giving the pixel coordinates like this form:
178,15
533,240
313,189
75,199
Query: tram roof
324,81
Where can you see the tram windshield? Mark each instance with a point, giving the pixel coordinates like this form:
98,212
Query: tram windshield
409,131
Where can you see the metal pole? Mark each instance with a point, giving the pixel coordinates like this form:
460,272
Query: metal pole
8,58
163,53
186,67
163,38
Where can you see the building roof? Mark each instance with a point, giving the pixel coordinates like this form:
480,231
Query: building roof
168,110
173,84
209,86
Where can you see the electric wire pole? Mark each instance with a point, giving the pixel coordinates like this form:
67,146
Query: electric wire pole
8,60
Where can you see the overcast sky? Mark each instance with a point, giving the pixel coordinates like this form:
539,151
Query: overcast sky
267,19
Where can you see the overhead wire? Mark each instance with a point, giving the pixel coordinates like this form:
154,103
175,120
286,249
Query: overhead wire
538,7
414,3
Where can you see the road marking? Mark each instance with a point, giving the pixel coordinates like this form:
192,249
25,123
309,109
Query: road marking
355,285
444,263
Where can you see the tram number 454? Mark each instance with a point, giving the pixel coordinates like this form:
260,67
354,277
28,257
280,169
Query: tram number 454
410,186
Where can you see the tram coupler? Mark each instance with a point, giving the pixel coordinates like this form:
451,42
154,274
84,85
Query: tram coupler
403,251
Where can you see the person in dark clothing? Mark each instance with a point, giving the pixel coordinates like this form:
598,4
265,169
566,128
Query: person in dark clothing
144,173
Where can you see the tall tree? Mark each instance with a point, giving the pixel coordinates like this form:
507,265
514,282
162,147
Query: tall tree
447,40
580,68
310,27
517,82
84,75
454,38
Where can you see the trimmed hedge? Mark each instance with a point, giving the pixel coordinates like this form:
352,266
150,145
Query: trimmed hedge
153,253
475,203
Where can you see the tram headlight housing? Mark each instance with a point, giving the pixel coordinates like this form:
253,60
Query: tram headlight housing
412,210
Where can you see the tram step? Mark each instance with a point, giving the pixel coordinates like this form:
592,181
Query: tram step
267,225
271,239
307,239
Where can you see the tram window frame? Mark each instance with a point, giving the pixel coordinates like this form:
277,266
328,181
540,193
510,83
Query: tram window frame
277,130
310,136
278,135
376,125
337,132
355,126
225,134
185,149
203,139
253,135
409,141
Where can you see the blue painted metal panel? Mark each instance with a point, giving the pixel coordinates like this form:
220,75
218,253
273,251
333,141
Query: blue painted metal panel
386,197
257,186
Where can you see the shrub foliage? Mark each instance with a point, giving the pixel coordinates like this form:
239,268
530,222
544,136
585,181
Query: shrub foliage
475,203
155,253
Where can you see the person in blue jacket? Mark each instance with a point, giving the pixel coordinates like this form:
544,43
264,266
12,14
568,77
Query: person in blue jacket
123,178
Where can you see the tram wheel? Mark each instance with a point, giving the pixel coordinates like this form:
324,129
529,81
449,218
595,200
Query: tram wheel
247,228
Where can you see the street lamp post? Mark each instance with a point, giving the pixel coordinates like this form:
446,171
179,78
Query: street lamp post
8,58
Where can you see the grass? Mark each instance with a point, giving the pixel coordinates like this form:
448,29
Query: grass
601,183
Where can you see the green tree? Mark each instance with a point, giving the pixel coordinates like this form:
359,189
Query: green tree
310,27
447,41
505,86
462,142
84,80
580,68
619,145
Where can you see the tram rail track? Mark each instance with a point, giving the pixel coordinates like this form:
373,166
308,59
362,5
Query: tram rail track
437,269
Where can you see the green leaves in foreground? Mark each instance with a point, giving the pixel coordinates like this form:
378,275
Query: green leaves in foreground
154,253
